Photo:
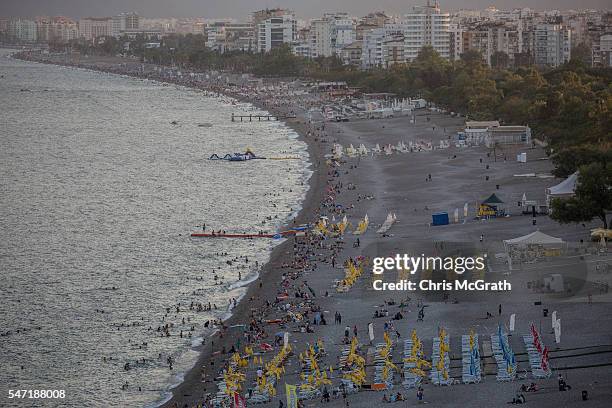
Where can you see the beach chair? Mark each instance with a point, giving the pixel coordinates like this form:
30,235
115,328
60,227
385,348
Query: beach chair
438,377
538,370
504,357
470,360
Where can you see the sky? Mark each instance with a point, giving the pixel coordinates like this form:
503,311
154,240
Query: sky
240,9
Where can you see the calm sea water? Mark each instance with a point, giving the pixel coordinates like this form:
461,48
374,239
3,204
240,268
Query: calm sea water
99,191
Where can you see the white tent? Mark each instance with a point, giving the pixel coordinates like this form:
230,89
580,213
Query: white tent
566,188
522,248
535,238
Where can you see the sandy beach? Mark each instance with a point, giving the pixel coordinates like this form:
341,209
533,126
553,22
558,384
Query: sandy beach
300,278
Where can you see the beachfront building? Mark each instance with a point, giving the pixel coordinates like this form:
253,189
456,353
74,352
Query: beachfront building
125,22
426,25
215,38
326,36
22,30
225,36
91,28
344,30
490,38
351,54
372,48
321,41
491,133
273,27
276,31
508,135
552,44
59,30
393,50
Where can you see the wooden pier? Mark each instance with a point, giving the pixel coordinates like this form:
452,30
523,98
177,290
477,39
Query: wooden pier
259,118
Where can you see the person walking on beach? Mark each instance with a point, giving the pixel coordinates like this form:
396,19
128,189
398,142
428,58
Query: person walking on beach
419,394
355,330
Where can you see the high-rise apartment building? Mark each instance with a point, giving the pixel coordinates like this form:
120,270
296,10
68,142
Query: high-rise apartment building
426,26
489,38
552,44
330,34
22,30
276,31
263,26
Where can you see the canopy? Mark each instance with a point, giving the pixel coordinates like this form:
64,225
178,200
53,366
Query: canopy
566,187
537,237
493,199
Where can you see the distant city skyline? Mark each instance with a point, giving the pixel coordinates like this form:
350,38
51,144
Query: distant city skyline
241,9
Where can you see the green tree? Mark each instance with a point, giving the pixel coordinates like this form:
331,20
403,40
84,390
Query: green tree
567,161
592,199
472,57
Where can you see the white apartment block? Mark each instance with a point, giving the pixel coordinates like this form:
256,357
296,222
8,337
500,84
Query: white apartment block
275,31
330,34
552,44
345,31
455,41
22,30
215,38
321,38
426,25
383,47
95,27
372,54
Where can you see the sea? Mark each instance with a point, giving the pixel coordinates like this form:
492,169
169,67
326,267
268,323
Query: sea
103,178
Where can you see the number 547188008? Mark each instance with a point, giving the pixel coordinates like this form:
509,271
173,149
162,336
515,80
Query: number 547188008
36,394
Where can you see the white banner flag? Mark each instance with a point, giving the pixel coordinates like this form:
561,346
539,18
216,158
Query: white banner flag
558,331
512,321
371,331
286,339
456,215
465,210
554,319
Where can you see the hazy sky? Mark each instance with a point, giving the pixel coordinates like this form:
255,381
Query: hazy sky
240,8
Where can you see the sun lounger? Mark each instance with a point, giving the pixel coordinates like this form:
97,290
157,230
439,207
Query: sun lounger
504,357
470,360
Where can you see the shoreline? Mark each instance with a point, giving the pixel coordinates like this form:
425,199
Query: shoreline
239,314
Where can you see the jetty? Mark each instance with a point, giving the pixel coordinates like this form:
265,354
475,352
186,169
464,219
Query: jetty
259,118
